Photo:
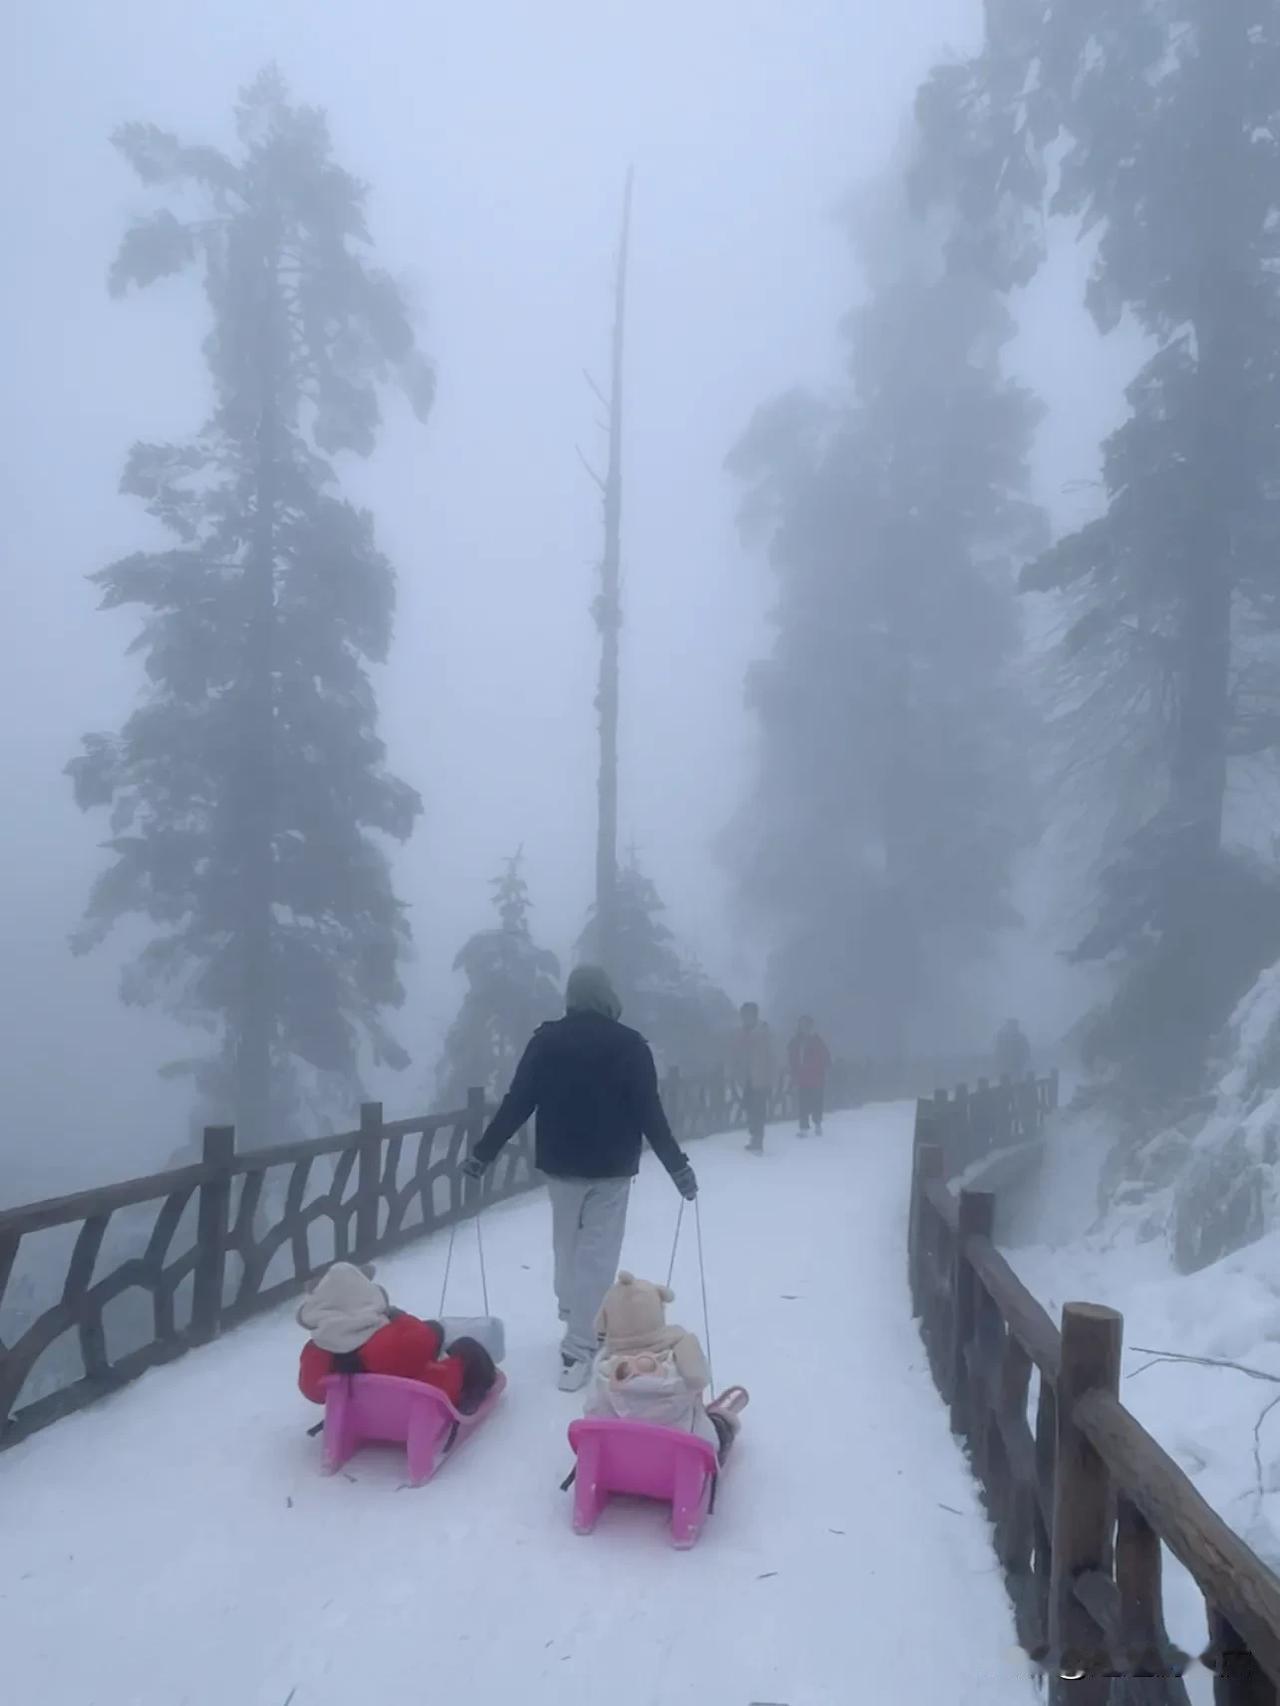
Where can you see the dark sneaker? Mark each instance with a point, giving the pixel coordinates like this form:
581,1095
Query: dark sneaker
479,1372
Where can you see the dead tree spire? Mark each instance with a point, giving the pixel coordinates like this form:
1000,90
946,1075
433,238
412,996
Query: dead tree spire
608,616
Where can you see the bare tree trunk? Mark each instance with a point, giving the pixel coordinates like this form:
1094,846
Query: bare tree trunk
1200,765
255,822
608,615
1203,639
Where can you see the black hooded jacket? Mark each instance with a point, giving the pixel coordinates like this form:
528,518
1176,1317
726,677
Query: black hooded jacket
594,1087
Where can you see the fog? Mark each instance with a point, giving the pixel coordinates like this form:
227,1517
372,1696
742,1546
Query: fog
495,140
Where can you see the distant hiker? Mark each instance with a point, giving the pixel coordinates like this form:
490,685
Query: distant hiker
810,1061
751,1063
1013,1051
594,1087
355,1330
650,1372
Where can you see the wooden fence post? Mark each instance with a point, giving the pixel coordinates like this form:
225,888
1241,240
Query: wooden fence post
982,1118
927,1169
213,1226
475,1116
1239,1680
671,1103
960,1139
976,1218
942,1124
921,1134
1083,1508
368,1179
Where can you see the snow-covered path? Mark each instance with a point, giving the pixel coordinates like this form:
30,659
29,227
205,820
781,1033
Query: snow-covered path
176,1546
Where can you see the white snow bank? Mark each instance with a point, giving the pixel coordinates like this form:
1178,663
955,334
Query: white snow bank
1060,1204
176,1546
1227,1191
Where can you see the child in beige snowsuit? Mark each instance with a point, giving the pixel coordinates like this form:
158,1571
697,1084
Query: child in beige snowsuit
648,1371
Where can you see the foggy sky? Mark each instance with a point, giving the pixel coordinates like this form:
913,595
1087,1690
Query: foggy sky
495,138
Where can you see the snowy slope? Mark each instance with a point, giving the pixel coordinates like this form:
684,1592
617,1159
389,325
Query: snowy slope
176,1546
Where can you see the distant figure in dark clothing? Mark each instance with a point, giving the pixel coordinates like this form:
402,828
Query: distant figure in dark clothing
810,1061
1013,1051
751,1062
594,1087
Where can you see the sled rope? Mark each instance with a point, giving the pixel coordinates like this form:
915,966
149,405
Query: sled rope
702,1278
484,1280
675,1244
448,1264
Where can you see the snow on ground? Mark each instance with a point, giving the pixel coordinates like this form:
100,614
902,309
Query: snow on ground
176,1545
1204,1417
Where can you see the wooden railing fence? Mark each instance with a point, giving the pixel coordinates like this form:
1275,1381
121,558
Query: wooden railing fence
971,1125
863,1081
1083,1500
142,1271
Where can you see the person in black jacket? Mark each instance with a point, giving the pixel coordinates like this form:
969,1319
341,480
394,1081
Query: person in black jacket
593,1085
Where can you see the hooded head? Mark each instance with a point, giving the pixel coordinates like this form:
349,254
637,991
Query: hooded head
344,1308
633,1316
590,991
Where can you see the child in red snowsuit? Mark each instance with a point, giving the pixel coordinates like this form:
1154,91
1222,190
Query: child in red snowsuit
354,1330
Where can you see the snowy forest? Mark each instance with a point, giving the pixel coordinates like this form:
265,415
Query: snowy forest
997,737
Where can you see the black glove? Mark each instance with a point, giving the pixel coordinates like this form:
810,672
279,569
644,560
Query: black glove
685,1181
473,1169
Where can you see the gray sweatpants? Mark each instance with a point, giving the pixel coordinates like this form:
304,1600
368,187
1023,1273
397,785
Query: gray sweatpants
588,1220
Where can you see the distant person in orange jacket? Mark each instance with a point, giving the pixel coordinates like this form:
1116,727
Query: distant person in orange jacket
354,1330
810,1061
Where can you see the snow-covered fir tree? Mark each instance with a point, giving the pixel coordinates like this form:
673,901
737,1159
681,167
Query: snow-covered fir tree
513,985
892,793
1154,127
247,795
1170,662
666,994
1155,124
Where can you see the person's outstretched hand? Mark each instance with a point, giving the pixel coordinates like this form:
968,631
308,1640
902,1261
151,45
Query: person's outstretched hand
685,1181
472,1169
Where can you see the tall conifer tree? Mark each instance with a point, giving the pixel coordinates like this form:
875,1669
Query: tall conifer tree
247,795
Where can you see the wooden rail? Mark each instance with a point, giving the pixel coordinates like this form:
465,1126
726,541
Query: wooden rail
973,1125
1083,1500
132,1275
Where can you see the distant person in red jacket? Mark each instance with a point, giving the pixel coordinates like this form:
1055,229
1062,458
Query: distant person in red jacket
810,1061
354,1330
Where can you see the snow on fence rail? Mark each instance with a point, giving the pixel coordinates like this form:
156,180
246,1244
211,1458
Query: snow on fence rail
100,1286
1082,1502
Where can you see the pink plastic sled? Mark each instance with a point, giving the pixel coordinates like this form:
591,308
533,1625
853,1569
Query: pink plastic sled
643,1460
360,1407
